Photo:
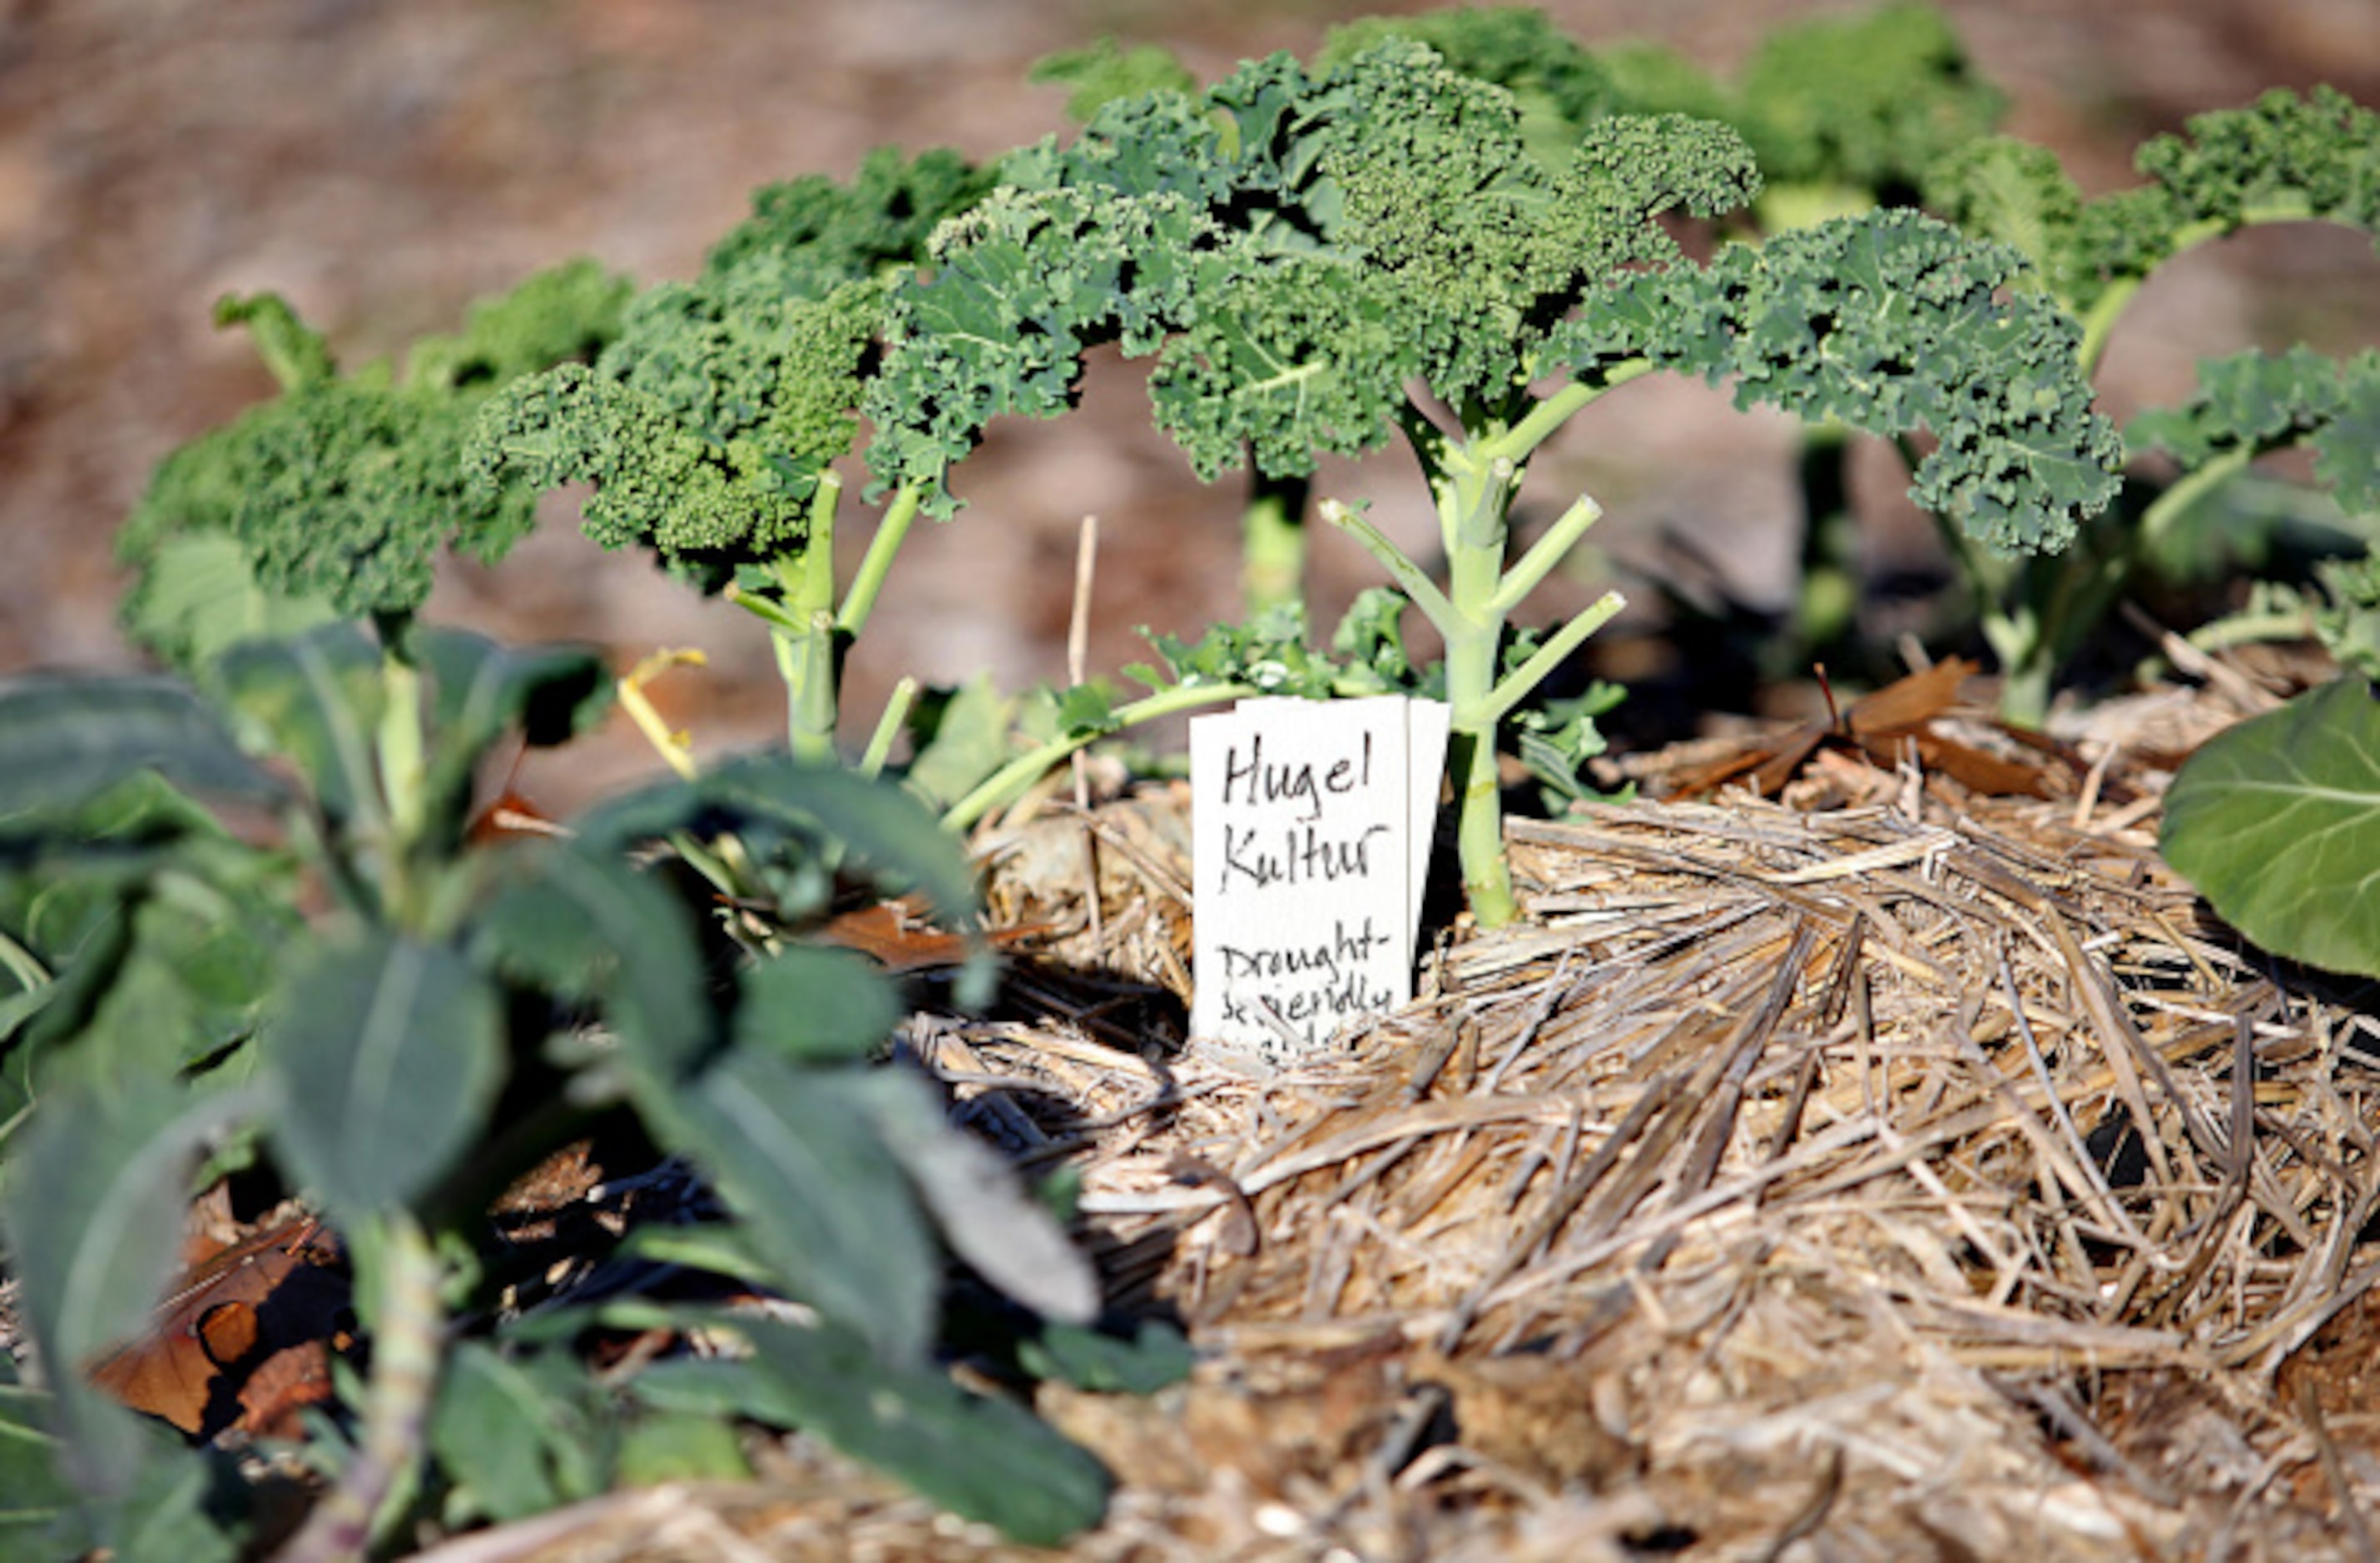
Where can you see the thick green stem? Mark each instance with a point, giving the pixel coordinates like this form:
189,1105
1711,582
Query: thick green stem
1475,481
1011,778
1474,509
805,663
808,652
403,763
1273,544
406,1326
859,601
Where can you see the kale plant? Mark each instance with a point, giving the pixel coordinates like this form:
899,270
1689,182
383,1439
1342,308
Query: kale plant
710,428
1321,262
335,499
2288,158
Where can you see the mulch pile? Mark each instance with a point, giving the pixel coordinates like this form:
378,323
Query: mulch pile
1926,1175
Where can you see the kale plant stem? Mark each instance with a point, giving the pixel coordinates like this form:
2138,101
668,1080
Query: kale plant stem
403,770
1019,773
860,600
1474,507
1273,544
807,648
406,1325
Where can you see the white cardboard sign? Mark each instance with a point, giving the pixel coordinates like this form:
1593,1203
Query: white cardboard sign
1310,836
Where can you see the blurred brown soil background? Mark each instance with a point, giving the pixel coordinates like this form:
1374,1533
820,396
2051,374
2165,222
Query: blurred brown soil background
383,161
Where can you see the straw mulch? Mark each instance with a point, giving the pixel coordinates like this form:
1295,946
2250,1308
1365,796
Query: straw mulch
1921,1178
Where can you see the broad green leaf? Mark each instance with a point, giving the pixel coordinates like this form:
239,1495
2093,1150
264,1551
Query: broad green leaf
980,1457
883,828
139,941
811,1005
94,1214
315,699
387,1053
198,597
2276,822
35,1497
980,1204
963,738
983,1458
172,1512
62,740
480,691
804,1166
1087,711
681,1447
197,976
1154,1355
590,927
515,1438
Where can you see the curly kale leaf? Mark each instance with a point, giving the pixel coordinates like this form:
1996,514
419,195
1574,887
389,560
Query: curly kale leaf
1558,86
704,506
564,315
2253,403
1024,285
1302,248
2318,155
343,491
1892,323
335,498
707,427
2018,194
807,238
2283,158
1864,102
1287,359
1105,71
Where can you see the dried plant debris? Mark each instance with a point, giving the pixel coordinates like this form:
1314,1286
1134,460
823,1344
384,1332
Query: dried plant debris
1895,1182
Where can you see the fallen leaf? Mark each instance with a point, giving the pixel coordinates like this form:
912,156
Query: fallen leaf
1881,726
225,1320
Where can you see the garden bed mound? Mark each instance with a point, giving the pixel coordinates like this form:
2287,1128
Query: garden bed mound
1928,1177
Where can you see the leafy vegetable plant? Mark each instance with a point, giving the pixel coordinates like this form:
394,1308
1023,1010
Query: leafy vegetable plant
399,1025
709,428
333,498
245,923
1320,259
2288,158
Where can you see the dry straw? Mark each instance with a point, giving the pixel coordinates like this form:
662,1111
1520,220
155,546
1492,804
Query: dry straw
1907,1180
